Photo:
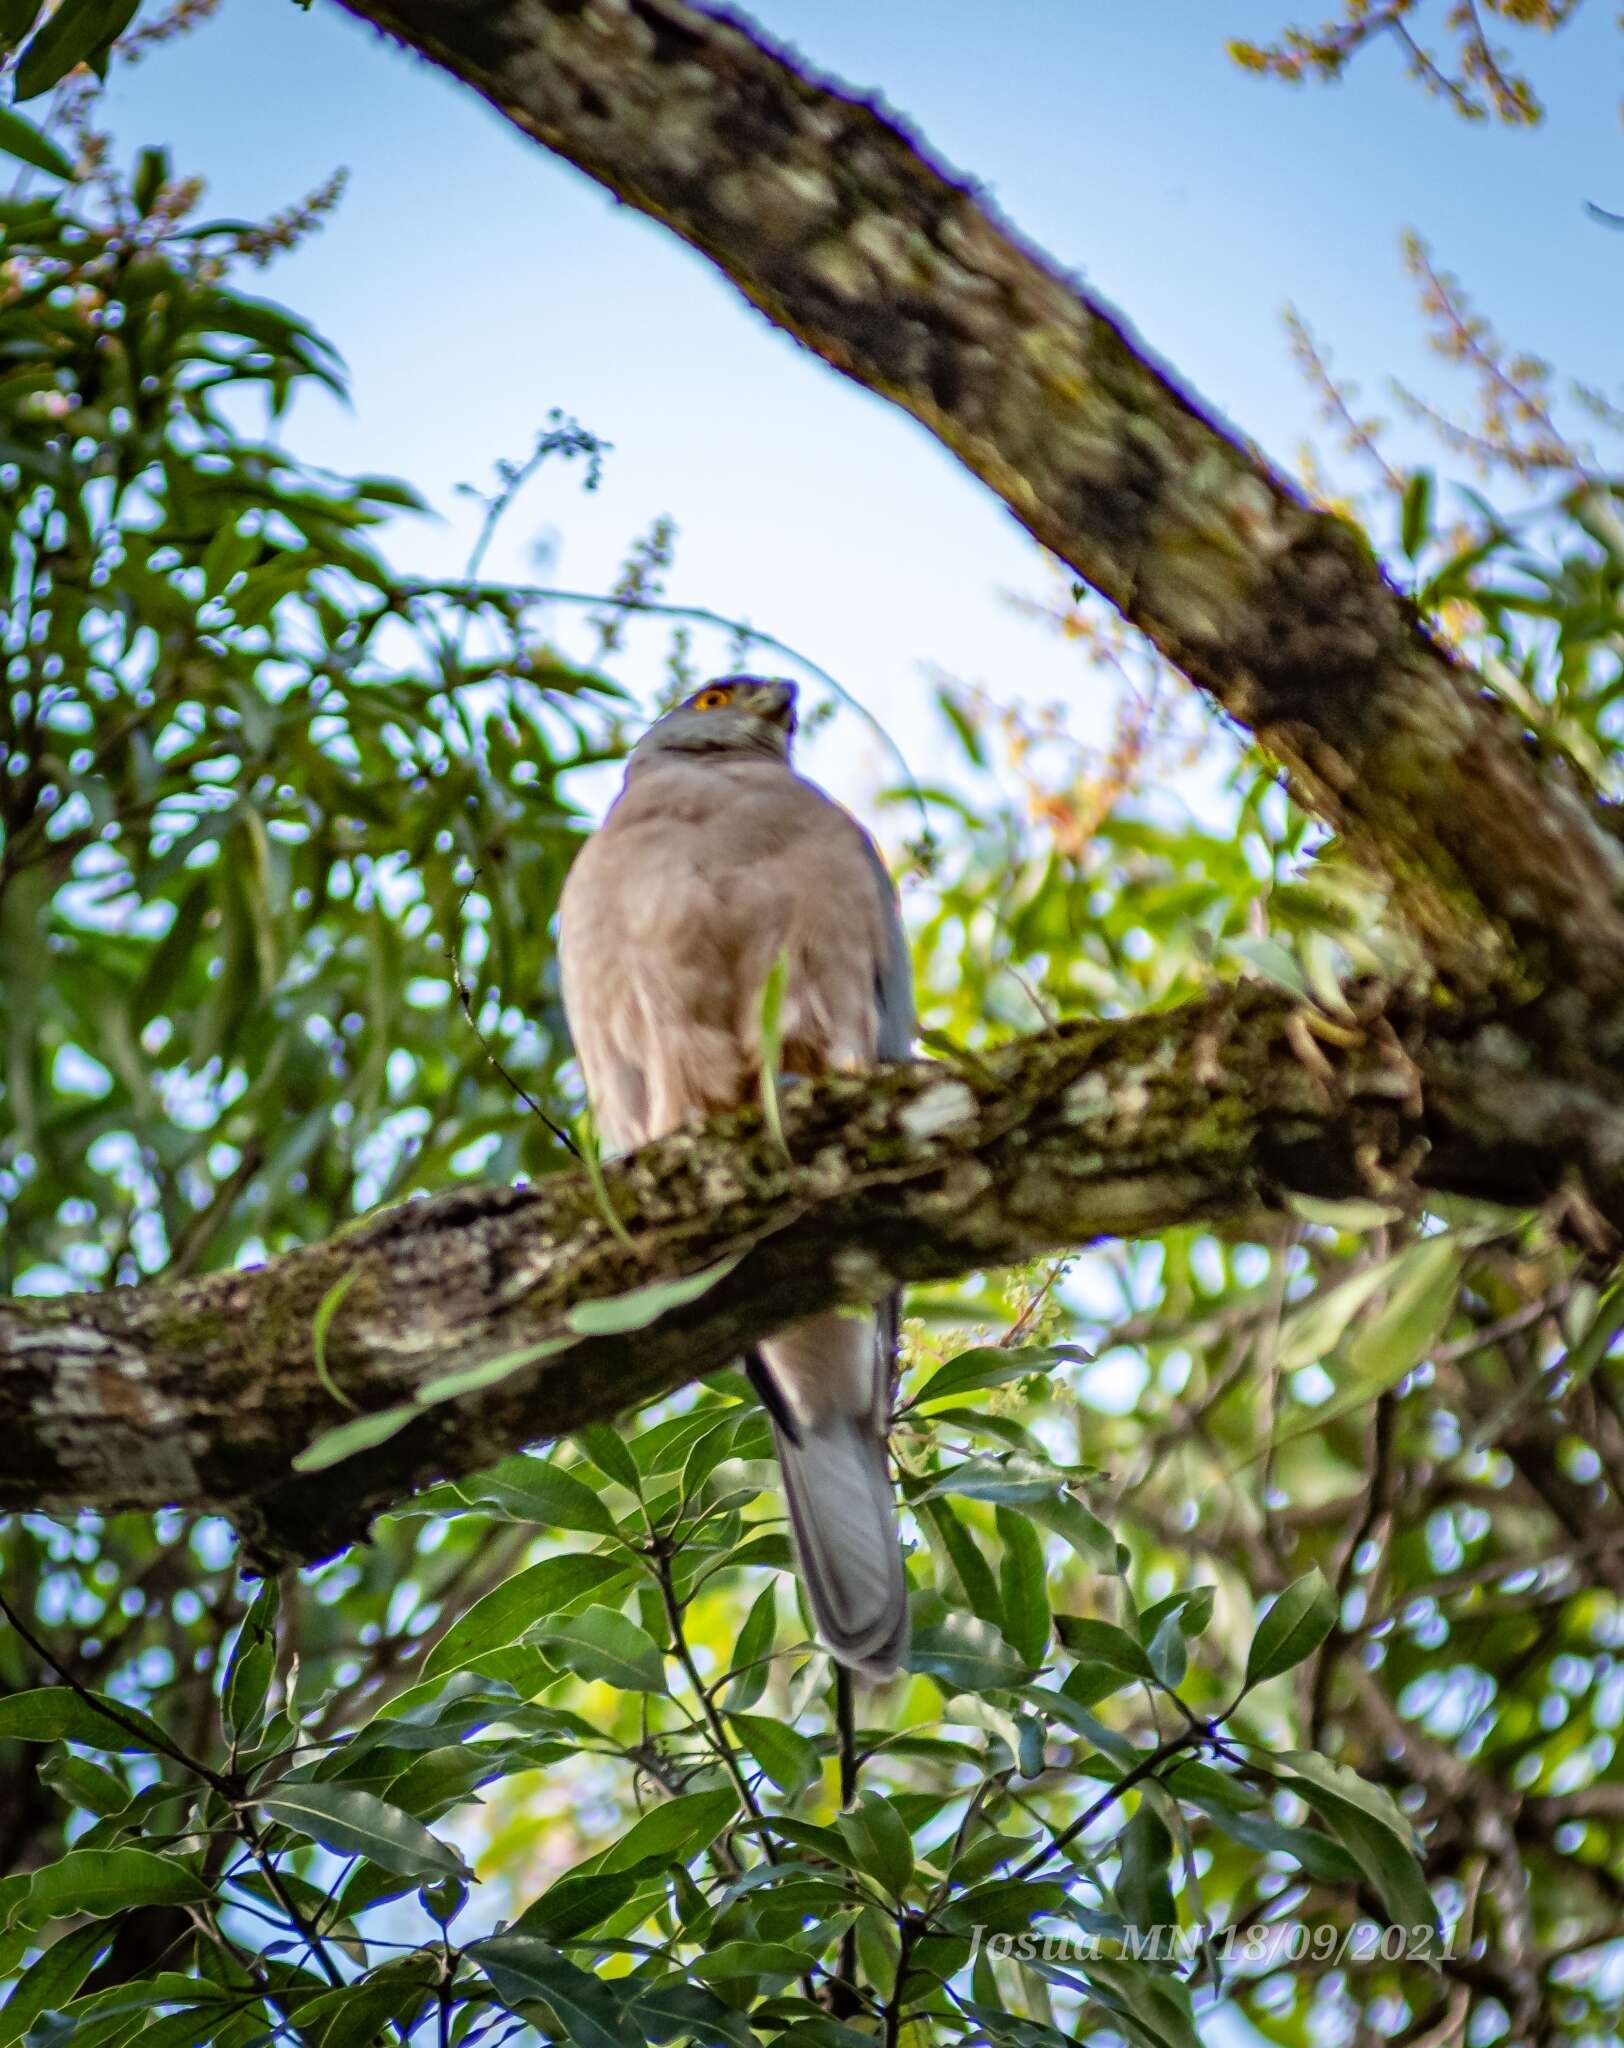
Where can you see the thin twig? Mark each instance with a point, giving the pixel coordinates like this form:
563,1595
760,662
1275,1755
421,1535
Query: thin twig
466,1000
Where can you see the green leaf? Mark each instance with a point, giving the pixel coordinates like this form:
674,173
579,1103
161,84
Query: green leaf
644,1305
679,2006
752,1651
21,139
752,1959
1023,1583
509,1611
788,1758
17,17
83,1783
52,1978
1082,1529
1313,1330
54,1713
573,1905
251,1666
1144,1885
771,1021
1385,1860
607,1450
967,1654
76,31
990,1365
1340,1782
365,1433
1010,1476
1102,1643
103,1881
1415,512
602,1644
1159,2004
523,1969
361,2014
1426,1283
879,1841
1353,1216
471,1379
320,1323
944,1526
541,1490
675,1830
358,1823
1294,1627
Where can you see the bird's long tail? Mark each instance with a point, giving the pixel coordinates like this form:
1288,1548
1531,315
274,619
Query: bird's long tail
827,1387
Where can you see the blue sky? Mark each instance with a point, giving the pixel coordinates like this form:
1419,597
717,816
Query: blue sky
473,283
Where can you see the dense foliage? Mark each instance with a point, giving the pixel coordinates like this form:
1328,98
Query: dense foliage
1269,1642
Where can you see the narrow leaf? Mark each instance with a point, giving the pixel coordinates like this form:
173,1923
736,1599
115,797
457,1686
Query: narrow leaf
358,1823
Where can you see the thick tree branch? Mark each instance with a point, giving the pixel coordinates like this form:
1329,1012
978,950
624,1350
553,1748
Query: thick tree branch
201,1392
831,218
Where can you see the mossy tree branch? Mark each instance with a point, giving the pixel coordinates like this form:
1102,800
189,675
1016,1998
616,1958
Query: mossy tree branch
201,1392
836,223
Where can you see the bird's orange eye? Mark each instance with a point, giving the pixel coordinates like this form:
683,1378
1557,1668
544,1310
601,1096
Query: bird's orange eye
712,700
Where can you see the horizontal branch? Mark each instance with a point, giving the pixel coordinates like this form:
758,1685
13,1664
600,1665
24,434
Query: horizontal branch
200,1393
832,220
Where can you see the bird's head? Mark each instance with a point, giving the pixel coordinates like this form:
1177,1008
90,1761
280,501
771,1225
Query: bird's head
734,715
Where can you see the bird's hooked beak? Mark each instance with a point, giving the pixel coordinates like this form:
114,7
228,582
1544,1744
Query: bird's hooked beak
775,699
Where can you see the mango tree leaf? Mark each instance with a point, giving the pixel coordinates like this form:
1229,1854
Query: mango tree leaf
1313,1329
604,1445
603,1644
251,1666
55,1713
1386,1862
1024,1586
1340,1782
523,1969
991,1365
76,31
573,1905
358,1823
671,1832
1008,1478
470,1379
880,1842
509,1611
644,1305
103,1881
753,1649
21,139
788,1758
365,1433
1102,1643
1424,1289
1081,1527
1294,1627
967,1654
679,2006
52,1978
1144,1885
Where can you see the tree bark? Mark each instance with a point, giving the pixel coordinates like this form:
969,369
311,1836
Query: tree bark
835,222
200,1393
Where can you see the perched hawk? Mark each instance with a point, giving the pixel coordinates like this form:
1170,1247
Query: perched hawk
716,856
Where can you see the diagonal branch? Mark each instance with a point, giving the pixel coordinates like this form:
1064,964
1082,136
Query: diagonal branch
201,1393
834,221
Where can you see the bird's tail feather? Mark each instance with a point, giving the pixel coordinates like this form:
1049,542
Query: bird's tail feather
843,1513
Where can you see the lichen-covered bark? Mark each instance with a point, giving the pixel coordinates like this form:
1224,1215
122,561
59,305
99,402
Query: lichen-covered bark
832,219
202,1392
